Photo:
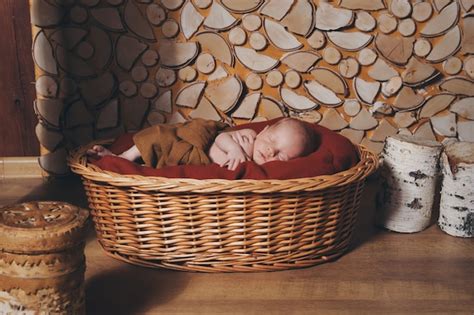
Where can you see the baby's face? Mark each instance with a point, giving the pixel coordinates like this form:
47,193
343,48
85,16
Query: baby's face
278,143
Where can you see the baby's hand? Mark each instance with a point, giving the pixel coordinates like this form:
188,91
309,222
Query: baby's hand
234,158
98,151
245,139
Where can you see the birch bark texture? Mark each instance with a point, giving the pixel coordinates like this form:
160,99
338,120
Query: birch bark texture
457,195
42,260
410,170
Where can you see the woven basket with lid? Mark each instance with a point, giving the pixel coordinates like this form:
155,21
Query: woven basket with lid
42,259
219,225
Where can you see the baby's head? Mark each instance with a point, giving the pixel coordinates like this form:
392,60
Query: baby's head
286,139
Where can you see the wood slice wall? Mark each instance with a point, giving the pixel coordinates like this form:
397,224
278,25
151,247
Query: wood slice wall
367,69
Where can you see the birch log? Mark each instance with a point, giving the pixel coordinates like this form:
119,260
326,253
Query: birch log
410,173
456,214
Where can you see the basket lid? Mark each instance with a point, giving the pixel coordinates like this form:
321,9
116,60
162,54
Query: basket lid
41,226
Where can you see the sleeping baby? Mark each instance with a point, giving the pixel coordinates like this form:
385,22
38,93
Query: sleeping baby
204,142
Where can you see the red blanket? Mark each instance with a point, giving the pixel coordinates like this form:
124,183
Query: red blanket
335,153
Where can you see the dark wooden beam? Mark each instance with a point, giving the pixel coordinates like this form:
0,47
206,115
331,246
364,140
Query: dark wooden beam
17,92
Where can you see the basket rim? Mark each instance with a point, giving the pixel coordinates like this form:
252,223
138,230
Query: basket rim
78,163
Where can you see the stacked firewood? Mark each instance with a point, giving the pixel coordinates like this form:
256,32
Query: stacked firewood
365,69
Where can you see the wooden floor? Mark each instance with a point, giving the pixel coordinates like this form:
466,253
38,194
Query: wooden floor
384,273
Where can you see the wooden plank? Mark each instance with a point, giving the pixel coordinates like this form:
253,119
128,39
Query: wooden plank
17,122
20,167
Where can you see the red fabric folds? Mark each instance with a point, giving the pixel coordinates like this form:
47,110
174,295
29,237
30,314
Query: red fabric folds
335,153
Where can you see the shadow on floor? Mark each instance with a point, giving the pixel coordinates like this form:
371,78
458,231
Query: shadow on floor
132,290
68,189
365,227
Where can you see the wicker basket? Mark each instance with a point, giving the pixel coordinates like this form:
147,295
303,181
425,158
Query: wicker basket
219,225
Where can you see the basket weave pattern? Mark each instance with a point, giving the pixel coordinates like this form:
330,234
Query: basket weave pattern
224,225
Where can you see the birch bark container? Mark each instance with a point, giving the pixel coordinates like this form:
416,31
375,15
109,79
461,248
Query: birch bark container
42,259
410,172
457,194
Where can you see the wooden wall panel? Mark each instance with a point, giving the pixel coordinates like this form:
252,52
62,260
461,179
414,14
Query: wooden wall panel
17,118
366,69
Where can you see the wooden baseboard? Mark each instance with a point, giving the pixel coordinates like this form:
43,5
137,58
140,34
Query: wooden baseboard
20,167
